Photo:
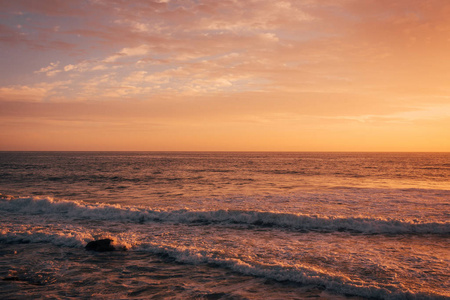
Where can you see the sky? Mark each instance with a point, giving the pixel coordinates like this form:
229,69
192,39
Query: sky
229,75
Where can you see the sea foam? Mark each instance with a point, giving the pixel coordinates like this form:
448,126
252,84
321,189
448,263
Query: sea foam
279,272
299,222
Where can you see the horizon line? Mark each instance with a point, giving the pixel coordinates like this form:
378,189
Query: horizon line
228,151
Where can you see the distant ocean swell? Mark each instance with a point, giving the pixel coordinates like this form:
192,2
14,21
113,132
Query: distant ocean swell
299,222
280,272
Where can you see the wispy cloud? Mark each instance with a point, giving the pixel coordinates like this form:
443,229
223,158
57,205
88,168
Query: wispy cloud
128,52
50,70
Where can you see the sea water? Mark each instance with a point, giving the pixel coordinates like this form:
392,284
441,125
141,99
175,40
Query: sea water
225,225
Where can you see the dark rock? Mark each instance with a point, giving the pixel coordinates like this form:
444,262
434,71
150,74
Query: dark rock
100,245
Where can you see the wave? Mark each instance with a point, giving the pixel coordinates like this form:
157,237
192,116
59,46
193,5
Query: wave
27,237
298,222
304,275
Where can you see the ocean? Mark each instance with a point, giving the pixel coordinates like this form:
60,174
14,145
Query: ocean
225,225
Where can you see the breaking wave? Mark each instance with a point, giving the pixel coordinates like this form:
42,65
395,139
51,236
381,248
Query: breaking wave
298,222
300,274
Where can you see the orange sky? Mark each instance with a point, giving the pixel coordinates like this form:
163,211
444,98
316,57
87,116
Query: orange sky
304,75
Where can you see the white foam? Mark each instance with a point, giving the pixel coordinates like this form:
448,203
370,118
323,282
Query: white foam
28,236
300,274
79,210
303,275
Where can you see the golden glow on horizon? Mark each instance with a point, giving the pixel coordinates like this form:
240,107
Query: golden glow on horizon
226,75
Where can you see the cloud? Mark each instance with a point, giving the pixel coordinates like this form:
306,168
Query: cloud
127,52
135,26
50,69
293,45
69,67
32,93
22,93
84,66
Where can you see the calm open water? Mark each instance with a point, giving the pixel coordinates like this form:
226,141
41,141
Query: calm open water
225,225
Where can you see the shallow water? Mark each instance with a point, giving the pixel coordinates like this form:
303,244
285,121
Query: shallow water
225,225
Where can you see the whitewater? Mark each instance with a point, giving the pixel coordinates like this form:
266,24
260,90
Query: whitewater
225,225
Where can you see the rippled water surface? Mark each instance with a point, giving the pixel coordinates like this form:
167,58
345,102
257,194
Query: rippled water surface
225,225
